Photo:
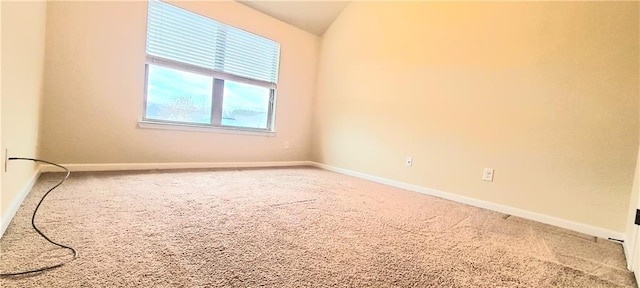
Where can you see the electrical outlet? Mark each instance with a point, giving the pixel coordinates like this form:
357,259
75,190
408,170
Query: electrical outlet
487,174
286,145
409,162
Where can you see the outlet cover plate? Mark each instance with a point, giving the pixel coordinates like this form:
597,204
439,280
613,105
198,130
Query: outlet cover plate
487,174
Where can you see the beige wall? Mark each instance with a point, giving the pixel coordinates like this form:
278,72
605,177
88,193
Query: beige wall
545,93
1,145
94,83
23,38
633,232
634,203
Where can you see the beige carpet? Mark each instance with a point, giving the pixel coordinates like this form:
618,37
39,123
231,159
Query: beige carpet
293,227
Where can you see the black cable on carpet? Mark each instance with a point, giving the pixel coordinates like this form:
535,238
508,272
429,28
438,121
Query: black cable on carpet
33,223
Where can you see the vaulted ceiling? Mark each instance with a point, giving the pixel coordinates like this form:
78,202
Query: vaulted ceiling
312,16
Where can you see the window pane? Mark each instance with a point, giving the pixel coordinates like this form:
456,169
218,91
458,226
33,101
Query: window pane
245,105
174,95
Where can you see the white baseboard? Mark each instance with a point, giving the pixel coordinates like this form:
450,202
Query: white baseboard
633,253
629,257
7,216
562,223
174,165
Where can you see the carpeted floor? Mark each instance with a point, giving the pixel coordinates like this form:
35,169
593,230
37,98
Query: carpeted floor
290,227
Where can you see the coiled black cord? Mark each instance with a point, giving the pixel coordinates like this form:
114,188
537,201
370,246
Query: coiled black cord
33,222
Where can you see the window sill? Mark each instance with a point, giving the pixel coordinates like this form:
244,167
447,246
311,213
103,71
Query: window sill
196,128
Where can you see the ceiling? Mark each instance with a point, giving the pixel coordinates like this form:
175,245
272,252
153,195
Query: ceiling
311,16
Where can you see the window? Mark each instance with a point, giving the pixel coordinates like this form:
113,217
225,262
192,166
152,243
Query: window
206,73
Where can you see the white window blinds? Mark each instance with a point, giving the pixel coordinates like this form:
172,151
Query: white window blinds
182,36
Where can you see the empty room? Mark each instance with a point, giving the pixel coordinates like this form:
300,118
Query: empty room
320,144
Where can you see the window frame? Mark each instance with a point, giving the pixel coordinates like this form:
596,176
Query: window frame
217,97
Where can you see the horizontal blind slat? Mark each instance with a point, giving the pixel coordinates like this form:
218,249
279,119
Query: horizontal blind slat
177,34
